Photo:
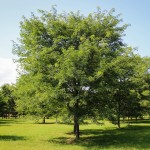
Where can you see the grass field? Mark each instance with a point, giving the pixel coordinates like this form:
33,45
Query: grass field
17,134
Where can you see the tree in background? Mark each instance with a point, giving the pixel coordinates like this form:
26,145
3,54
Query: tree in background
126,83
145,92
33,99
8,101
2,104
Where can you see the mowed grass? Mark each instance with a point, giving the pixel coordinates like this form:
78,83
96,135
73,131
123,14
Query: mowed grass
16,134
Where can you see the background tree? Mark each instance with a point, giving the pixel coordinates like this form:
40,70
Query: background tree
2,104
8,100
121,77
33,99
145,90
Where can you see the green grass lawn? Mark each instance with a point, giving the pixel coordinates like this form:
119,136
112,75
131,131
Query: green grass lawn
17,134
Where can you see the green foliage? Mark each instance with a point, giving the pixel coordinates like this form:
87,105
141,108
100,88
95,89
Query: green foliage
68,53
2,104
78,64
124,79
31,99
7,100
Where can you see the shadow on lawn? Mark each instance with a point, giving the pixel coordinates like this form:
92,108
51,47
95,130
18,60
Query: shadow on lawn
145,121
8,122
11,138
133,137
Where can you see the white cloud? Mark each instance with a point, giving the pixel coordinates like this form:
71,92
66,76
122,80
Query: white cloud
8,73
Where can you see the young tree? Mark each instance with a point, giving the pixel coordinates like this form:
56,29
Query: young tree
68,54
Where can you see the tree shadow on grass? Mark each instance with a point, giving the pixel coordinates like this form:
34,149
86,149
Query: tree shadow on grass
46,123
145,121
11,138
136,137
131,137
8,122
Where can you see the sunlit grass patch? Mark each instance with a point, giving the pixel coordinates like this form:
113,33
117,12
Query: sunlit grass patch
17,134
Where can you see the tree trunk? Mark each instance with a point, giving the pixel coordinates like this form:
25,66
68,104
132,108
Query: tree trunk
77,131
43,121
76,121
128,121
56,119
76,127
123,118
118,121
118,116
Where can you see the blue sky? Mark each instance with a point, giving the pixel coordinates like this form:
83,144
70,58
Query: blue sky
134,12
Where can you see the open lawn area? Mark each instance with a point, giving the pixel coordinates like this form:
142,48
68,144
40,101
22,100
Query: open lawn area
16,134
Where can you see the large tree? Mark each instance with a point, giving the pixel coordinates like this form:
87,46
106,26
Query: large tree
68,54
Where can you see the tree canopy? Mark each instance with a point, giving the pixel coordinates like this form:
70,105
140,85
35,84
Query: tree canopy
73,61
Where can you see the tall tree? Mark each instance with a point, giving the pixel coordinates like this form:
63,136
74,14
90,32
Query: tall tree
68,54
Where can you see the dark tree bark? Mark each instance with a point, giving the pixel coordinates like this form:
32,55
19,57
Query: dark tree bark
118,115
43,121
76,121
76,128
